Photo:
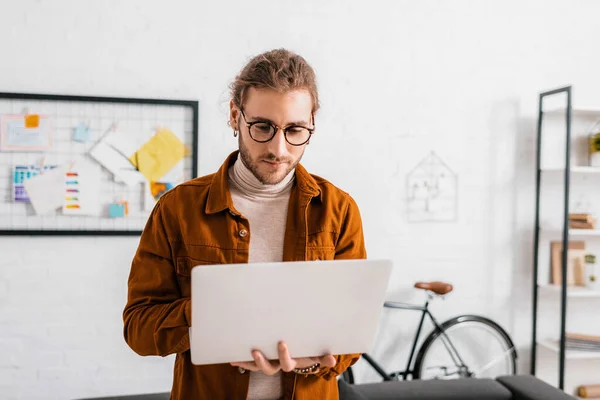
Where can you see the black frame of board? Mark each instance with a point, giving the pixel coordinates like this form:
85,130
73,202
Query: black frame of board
99,99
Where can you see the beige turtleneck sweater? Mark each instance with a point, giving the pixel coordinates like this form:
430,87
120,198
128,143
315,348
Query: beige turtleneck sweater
265,207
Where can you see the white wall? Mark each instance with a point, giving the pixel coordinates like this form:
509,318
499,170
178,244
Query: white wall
397,80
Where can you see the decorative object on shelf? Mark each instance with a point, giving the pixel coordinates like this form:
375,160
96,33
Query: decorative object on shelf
591,277
589,391
575,263
594,146
432,190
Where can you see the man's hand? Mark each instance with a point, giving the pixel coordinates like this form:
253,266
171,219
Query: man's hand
285,362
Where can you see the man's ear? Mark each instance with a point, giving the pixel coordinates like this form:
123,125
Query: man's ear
234,115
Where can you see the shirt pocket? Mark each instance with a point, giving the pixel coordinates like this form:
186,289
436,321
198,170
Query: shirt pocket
320,245
320,253
184,273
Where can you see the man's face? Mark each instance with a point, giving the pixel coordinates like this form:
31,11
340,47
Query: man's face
272,161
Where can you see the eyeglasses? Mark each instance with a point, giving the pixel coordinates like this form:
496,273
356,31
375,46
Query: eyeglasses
264,131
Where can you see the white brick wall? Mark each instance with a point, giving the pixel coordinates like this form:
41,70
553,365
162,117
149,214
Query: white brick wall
398,79
61,321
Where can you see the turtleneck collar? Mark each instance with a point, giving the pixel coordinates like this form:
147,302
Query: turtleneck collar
248,183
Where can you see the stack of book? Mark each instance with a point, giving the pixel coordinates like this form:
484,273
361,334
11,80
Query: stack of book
589,391
582,221
576,341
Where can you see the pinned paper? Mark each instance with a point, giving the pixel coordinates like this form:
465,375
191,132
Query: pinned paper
112,152
32,121
29,133
82,133
81,191
159,154
118,210
159,188
122,142
152,191
46,190
21,173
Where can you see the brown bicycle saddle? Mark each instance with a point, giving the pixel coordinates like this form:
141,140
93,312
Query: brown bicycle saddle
436,287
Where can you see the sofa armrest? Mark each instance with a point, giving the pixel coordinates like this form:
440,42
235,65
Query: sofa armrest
528,387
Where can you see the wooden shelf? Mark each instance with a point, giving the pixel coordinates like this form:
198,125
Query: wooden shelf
572,232
572,291
588,112
584,232
554,346
574,169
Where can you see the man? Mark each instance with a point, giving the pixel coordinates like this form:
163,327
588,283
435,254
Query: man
261,206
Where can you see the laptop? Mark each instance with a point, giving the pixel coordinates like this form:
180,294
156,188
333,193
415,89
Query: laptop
316,307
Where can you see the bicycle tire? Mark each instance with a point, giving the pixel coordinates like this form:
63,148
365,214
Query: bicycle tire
435,334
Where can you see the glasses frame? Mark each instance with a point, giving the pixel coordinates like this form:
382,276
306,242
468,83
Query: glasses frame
277,128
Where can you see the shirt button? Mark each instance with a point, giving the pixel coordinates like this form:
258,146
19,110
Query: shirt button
241,370
243,233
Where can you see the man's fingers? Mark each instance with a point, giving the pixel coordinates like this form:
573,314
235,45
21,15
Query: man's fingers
328,361
247,365
286,362
267,367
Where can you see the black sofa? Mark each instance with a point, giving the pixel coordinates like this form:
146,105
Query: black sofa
520,387
517,387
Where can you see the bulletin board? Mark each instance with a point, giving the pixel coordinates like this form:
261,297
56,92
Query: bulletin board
80,165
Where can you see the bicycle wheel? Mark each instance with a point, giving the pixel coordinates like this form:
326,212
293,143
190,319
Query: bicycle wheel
466,346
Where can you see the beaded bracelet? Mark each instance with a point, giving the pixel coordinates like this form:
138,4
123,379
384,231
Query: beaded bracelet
308,370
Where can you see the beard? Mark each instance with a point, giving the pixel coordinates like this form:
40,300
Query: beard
266,178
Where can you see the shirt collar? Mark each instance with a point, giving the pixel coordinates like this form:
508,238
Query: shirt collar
219,196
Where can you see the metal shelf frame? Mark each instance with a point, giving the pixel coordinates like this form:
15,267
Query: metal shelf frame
565,233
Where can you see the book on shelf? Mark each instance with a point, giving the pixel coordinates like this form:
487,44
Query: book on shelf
575,263
583,217
594,348
582,221
581,342
581,225
580,336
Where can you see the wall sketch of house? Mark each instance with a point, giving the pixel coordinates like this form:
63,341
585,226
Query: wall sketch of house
432,191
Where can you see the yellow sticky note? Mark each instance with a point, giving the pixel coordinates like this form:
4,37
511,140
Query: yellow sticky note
159,154
32,121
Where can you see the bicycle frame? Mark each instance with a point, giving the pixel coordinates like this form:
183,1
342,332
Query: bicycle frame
424,312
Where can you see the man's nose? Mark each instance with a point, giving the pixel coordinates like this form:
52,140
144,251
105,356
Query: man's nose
278,144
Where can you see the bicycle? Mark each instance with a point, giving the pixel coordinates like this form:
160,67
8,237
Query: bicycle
466,346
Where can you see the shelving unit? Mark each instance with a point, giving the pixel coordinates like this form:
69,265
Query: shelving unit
571,291
574,232
577,170
577,111
570,354
560,230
